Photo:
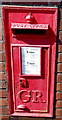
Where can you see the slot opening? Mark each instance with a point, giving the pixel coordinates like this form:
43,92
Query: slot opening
29,31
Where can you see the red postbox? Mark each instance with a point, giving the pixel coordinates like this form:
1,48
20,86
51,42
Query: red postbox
30,42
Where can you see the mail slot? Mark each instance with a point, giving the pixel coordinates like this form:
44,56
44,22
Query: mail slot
30,42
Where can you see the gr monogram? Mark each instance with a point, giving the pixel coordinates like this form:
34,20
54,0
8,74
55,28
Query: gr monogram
26,96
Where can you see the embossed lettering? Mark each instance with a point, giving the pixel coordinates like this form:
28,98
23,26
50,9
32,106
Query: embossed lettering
25,96
36,96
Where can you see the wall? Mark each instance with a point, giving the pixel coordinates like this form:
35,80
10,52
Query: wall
4,108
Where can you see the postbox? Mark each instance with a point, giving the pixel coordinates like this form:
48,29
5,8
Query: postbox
30,42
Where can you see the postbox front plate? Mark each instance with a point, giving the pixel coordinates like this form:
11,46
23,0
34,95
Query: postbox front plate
30,42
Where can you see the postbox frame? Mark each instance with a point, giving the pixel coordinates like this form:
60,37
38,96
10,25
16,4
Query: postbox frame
8,65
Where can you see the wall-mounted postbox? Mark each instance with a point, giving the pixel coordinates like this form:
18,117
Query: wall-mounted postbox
30,42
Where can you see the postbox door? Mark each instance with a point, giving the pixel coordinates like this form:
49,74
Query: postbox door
31,77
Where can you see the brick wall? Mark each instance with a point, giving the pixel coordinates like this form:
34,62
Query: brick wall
4,109
3,81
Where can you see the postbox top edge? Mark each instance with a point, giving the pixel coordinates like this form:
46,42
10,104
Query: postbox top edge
30,7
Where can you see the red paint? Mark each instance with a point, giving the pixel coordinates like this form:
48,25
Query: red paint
30,18
36,28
